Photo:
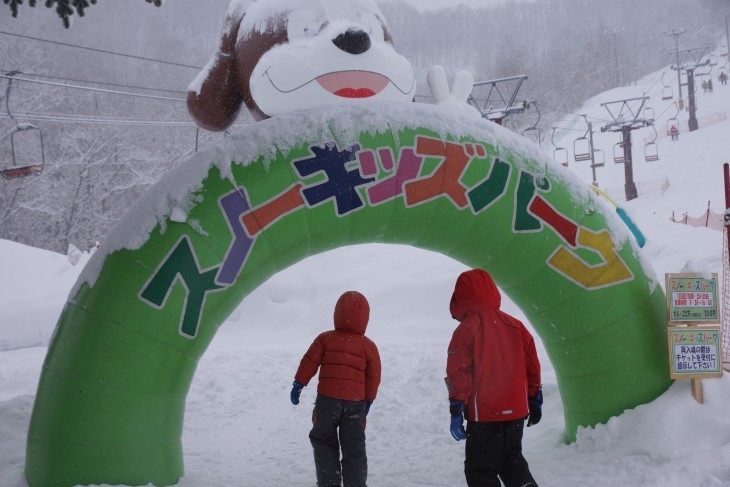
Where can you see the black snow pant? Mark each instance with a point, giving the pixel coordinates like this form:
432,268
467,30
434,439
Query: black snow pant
329,416
494,452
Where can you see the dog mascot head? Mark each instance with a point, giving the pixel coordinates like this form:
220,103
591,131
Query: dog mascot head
277,56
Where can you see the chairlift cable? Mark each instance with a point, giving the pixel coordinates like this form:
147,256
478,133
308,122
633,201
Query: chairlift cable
573,113
98,90
49,117
103,51
663,112
105,83
96,121
93,119
660,79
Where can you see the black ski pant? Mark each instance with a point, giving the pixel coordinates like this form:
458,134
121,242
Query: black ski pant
336,424
494,452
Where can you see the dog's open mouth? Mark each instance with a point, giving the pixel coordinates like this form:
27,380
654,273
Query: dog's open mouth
353,84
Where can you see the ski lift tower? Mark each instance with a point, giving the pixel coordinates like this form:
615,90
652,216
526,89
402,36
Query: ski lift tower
505,106
691,59
676,33
625,114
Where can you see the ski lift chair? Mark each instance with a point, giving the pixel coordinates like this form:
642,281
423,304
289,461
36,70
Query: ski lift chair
648,113
599,158
618,153
533,133
667,93
712,60
15,169
560,155
651,149
582,149
651,152
672,122
667,90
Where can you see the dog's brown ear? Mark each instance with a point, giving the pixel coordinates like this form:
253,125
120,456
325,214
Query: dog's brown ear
257,43
214,96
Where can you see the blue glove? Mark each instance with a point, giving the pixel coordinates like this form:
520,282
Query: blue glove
535,404
296,391
456,408
367,407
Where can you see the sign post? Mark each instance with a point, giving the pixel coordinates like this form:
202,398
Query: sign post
694,347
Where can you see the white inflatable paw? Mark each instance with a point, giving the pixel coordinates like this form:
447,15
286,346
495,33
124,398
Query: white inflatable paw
459,93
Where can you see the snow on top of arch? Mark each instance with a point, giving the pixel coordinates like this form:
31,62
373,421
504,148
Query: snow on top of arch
175,194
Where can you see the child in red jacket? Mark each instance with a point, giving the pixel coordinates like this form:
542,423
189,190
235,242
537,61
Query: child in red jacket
493,377
349,376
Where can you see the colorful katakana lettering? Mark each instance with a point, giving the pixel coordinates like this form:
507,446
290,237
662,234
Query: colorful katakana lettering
182,264
409,166
340,183
445,179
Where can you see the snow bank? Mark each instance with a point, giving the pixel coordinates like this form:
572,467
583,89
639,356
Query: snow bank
30,303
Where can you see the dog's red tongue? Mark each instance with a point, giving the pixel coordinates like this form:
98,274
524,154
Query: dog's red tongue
353,84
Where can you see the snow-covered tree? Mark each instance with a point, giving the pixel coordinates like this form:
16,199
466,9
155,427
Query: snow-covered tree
64,8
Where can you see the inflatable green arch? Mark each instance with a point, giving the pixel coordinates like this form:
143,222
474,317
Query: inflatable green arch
111,398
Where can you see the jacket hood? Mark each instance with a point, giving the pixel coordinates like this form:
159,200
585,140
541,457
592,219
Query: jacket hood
474,290
352,313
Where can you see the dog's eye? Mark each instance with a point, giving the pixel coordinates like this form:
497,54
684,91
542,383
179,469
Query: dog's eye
370,24
305,24
314,28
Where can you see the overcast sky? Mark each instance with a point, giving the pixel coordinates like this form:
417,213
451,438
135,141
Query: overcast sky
435,4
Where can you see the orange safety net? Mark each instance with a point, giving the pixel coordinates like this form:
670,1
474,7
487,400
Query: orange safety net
725,302
710,220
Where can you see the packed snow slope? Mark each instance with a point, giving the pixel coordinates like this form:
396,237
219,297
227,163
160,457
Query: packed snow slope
240,428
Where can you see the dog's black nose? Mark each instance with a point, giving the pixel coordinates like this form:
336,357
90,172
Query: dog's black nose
354,41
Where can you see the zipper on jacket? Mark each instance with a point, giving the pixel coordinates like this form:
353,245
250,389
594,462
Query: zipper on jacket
476,409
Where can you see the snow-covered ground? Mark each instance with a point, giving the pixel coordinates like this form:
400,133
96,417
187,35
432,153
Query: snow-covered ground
240,428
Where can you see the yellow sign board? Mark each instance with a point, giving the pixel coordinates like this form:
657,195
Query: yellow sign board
695,352
692,298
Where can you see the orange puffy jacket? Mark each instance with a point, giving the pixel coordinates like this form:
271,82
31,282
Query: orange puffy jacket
492,365
348,361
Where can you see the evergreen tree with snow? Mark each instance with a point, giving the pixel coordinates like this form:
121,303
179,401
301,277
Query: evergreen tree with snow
64,8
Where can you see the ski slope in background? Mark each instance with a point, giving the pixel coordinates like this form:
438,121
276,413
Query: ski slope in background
240,428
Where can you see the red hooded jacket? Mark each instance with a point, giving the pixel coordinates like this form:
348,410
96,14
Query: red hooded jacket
492,365
348,361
